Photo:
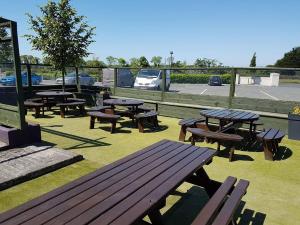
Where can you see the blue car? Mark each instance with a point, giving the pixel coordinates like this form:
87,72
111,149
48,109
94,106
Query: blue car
11,80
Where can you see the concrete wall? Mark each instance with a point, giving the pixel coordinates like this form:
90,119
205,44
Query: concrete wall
273,80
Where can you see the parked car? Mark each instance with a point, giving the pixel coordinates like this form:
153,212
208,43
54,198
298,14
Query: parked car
151,79
124,77
70,79
215,81
11,80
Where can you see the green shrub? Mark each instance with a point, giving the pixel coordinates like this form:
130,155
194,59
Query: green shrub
197,78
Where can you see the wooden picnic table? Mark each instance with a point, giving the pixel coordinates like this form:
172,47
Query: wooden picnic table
59,96
123,192
230,117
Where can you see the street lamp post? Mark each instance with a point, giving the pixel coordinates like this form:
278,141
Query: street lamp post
171,59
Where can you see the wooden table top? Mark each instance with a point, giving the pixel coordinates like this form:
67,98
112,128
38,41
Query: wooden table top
229,115
123,102
53,93
120,193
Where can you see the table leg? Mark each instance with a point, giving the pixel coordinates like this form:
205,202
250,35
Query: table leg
201,178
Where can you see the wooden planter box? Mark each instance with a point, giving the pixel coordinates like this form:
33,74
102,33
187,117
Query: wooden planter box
294,126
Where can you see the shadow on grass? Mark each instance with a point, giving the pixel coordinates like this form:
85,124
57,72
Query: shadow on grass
149,128
283,153
236,157
186,209
85,142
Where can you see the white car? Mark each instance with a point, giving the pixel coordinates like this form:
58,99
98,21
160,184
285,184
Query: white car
70,79
151,79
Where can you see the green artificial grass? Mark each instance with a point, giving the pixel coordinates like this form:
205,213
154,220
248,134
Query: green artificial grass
273,196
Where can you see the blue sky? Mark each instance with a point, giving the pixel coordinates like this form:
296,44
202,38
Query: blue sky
229,31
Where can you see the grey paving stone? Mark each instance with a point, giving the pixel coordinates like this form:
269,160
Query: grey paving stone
22,164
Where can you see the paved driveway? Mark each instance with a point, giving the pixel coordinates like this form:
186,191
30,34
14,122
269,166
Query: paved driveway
288,92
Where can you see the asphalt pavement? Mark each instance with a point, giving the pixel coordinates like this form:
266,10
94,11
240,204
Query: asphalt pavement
287,92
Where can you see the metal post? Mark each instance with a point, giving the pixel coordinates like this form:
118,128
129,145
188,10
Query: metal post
163,84
115,80
17,64
29,79
77,80
232,87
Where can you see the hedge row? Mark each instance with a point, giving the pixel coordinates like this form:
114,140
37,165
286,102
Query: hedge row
197,78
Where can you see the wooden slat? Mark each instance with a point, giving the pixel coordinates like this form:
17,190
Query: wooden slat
107,188
214,204
271,134
87,211
235,113
215,135
149,201
35,202
231,204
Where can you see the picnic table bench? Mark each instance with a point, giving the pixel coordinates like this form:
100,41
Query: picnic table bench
37,106
218,137
185,123
220,209
65,105
120,193
103,116
150,117
270,139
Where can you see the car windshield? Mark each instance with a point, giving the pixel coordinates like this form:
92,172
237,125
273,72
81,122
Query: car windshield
215,79
148,73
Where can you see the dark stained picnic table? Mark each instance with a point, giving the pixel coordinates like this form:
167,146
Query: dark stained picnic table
59,96
226,116
123,192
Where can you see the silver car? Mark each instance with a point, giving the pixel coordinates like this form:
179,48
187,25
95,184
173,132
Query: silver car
70,79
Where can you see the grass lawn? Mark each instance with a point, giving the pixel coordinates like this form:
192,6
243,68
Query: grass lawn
273,196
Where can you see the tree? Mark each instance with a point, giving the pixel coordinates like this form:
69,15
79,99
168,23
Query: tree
61,34
253,60
179,64
134,62
111,61
29,59
205,63
156,60
5,48
95,63
122,62
143,62
290,59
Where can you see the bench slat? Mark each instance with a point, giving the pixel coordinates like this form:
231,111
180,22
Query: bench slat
214,203
230,206
215,135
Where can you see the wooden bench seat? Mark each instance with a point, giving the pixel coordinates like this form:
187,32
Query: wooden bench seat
220,209
218,137
104,109
141,109
185,123
270,139
65,105
34,105
76,100
150,117
103,117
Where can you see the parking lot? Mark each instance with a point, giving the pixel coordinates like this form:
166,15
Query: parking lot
286,92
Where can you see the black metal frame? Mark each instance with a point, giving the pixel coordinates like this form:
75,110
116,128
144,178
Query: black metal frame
12,25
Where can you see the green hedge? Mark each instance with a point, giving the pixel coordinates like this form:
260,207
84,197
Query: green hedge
197,78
